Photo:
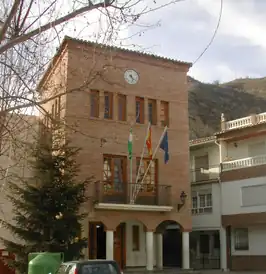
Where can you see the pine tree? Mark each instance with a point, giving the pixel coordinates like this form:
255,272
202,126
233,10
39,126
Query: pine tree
46,207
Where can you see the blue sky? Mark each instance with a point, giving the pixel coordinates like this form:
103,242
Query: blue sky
185,28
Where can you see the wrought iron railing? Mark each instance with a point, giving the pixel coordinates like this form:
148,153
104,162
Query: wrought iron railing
124,193
205,261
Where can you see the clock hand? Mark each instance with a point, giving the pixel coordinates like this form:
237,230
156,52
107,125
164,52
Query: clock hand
132,77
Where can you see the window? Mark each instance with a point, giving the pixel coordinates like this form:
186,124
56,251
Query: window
122,107
140,110
194,204
253,195
164,115
201,168
114,173
241,239
57,107
135,238
150,180
94,268
152,111
94,100
108,105
201,203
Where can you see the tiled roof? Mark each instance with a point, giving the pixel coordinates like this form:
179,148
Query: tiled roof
203,140
115,48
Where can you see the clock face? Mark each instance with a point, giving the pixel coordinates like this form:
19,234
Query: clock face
131,76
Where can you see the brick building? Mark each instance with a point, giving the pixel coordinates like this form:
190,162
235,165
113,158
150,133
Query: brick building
100,92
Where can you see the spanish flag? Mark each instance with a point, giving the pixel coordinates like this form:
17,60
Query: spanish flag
148,143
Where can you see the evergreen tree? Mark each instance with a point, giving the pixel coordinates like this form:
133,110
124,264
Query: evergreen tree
46,207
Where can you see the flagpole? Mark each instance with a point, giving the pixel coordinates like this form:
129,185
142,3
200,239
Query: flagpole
155,151
141,159
131,178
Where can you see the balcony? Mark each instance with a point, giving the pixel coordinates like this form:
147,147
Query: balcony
245,121
204,174
244,163
118,196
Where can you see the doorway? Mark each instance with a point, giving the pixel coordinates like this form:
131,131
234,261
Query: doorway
97,241
120,245
172,248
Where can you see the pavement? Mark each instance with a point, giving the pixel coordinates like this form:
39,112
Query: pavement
181,271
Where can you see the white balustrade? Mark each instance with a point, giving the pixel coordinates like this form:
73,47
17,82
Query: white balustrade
238,123
245,121
243,163
261,117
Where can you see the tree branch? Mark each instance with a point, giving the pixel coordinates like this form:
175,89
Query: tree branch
25,37
9,18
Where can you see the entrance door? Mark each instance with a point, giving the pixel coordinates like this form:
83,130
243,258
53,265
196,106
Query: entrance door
120,245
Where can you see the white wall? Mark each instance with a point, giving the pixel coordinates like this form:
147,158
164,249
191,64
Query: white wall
240,151
257,240
232,196
13,158
208,221
137,258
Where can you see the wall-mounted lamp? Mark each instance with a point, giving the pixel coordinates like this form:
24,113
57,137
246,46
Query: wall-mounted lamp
183,197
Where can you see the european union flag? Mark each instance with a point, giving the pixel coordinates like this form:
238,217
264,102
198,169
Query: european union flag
164,147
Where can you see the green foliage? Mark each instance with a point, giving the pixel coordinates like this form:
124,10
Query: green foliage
46,206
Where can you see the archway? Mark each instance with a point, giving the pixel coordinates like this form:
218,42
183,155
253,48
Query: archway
172,243
97,240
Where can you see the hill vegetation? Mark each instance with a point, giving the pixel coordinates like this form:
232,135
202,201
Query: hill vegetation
235,99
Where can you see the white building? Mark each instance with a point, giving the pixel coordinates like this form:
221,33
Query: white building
243,180
206,209
20,130
228,179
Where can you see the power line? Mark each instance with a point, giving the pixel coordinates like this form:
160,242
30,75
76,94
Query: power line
214,34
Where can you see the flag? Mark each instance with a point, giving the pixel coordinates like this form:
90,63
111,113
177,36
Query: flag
164,147
148,143
129,144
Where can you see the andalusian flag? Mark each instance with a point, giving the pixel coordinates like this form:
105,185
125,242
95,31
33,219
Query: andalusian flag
129,144
148,143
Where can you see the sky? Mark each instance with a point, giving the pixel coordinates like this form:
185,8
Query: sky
182,31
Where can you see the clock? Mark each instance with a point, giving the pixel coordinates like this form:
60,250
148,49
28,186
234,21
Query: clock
131,76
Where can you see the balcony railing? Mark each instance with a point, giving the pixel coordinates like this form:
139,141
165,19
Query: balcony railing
204,174
246,121
243,163
121,193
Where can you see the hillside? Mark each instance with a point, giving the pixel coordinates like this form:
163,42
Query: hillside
235,99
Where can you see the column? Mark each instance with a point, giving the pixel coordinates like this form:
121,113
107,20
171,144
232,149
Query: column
115,106
146,111
223,151
159,250
223,253
109,245
185,250
149,250
101,104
